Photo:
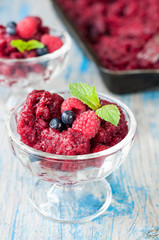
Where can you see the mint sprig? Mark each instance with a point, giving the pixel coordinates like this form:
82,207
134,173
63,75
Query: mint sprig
89,96
109,113
86,94
26,45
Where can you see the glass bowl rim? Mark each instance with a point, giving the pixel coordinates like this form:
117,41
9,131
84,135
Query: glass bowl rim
72,158
49,56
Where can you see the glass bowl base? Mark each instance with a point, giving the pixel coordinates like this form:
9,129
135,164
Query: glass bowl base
71,203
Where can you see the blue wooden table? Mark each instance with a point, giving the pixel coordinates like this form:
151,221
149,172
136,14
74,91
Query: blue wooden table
134,211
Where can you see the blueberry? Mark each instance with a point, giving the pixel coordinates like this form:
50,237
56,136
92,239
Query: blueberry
11,28
42,51
11,24
68,117
56,124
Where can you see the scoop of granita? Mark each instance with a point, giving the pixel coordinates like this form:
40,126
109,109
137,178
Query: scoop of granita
73,143
69,142
40,107
71,127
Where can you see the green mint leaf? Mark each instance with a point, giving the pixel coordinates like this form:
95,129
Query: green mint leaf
109,113
26,45
33,44
86,94
19,44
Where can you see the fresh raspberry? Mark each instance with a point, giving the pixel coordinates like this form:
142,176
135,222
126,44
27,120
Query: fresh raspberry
74,105
53,43
87,123
98,148
27,27
38,21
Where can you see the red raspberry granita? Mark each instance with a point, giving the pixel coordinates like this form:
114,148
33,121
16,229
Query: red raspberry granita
29,28
22,47
45,125
118,31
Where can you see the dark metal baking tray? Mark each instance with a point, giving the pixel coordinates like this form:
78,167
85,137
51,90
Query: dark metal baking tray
118,82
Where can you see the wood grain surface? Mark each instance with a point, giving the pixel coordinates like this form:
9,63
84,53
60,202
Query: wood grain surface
134,211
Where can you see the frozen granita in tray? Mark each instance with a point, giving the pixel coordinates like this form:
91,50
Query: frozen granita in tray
117,31
78,125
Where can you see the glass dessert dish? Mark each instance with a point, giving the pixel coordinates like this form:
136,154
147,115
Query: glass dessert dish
19,76
71,189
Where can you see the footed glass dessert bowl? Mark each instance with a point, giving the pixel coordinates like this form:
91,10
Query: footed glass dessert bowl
71,189
20,76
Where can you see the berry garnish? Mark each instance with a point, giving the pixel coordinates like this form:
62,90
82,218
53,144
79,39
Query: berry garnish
52,42
42,51
74,105
87,123
11,28
57,124
27,27
89,96
68,117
